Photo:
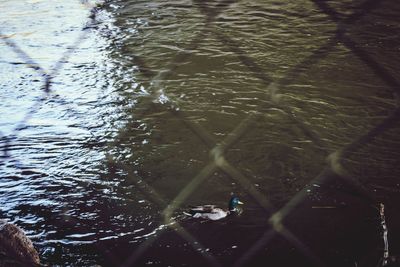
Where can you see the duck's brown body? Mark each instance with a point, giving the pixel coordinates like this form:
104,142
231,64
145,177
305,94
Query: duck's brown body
209,212
212,212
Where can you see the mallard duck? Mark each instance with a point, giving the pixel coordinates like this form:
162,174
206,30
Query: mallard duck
212,212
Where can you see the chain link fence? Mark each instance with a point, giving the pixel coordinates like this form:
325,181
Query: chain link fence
333,170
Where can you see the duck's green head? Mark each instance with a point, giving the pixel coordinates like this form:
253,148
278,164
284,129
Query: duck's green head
233,203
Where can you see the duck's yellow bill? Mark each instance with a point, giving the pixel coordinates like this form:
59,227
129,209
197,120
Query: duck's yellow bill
240,202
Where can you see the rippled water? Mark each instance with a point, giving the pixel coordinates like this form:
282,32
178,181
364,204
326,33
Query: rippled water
94,163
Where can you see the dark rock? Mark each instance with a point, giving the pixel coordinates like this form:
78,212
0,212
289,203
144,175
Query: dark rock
16,249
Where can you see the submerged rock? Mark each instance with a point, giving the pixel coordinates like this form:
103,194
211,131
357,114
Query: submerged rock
16,249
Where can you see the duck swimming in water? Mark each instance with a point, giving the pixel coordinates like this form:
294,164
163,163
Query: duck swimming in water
212,212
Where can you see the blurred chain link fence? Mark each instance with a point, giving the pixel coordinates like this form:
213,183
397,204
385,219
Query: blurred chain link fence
334,168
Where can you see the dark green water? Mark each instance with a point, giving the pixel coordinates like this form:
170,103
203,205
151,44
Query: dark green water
156,90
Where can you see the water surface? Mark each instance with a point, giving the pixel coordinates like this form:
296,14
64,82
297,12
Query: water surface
140,101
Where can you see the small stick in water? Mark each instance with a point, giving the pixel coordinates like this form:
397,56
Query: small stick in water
385,259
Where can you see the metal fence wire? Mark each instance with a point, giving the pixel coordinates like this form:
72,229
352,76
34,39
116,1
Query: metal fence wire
334,169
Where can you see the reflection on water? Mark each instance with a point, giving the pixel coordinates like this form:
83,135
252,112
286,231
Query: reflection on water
104,153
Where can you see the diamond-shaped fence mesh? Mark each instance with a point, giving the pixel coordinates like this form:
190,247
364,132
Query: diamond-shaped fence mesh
274,104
